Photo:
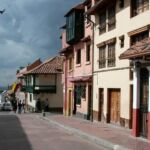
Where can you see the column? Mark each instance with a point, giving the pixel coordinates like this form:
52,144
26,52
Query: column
136,101
148,107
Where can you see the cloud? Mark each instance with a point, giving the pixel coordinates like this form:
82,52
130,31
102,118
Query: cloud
29,30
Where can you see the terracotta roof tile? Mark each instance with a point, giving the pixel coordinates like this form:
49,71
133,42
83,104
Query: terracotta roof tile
138,50
52,65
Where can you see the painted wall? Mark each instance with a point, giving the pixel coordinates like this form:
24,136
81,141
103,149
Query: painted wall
47,79
55,99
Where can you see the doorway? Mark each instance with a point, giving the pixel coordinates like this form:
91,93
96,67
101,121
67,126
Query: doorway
114,106
144,92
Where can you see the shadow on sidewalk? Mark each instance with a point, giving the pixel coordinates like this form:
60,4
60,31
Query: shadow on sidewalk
12,135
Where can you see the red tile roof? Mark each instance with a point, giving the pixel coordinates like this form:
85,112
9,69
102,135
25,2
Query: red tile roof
140,49
50,66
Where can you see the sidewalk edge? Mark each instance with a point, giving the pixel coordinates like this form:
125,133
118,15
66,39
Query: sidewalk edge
86,136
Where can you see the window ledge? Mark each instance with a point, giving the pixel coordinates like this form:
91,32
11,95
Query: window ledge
78,105
70,71
78,65
88,63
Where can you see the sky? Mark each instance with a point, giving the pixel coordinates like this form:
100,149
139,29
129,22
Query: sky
29,29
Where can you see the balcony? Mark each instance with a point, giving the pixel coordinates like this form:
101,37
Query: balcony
45,88
41,89
23,88
75,26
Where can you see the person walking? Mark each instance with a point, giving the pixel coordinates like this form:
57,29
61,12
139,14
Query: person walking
46,105
19,107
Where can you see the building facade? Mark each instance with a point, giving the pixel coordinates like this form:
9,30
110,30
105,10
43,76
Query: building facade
77,49
43,83
118,26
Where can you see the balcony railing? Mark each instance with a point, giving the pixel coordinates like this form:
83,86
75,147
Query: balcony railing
23,88
41,88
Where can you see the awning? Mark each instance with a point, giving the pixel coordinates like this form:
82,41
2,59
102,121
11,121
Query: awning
66,49
138,50
81,79
97,6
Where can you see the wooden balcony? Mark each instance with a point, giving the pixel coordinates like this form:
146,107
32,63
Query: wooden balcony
41,89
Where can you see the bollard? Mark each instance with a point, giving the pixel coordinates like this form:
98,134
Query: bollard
43,113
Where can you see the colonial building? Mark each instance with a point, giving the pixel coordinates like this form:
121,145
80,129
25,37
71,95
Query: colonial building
44,83
119,24
77,49
20,92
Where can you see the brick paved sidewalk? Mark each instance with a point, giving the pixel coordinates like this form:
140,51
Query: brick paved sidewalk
107,132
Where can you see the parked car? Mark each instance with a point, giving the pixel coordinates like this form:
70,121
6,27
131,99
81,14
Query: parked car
6,106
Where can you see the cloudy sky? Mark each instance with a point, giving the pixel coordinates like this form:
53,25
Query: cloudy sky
29,29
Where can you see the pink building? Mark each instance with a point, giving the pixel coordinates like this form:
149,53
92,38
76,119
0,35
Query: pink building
77,49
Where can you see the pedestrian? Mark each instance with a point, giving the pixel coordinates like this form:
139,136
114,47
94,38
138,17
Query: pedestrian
23,106
19,107
46,105
38,105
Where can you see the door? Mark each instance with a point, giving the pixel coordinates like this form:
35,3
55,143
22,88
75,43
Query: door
89,117
101,104
114,105
69,102
143,124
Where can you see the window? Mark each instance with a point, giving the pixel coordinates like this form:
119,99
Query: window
88,53
102,57
70,63
30,97
70,26
111,55
102,22
139,6
107,15
78,56
121,38
111,18
80,92
138,37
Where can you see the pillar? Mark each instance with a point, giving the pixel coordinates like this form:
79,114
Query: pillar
136,101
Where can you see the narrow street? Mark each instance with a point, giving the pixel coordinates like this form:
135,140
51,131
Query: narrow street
27,132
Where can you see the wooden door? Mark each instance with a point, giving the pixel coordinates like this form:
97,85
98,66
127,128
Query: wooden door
143,120
70,102
114,101
101,103
89,117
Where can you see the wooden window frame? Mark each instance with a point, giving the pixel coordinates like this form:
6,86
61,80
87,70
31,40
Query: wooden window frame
111,56
70,63
137,7
78,56
111,17
88,51
102,57
102,23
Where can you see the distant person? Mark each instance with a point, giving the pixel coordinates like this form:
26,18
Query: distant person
38,105
46,105
23,106
19,107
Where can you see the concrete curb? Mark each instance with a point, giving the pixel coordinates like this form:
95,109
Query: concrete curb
86,136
